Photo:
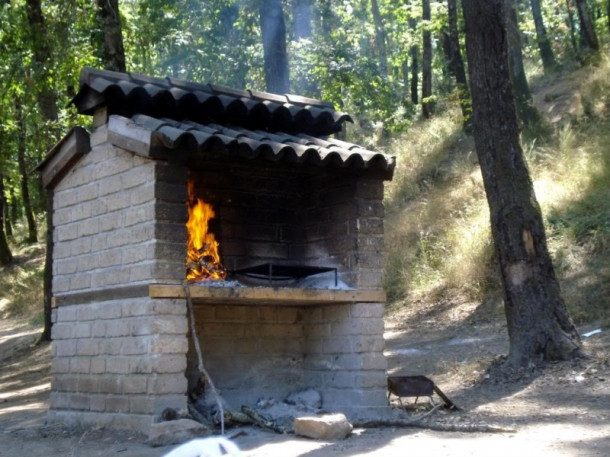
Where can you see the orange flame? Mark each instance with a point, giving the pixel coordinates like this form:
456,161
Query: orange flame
202,260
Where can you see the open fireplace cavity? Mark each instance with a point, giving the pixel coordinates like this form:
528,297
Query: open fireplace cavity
293,233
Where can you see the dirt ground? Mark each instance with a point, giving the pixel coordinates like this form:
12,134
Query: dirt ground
563,410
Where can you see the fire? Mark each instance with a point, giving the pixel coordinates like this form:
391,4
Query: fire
202,258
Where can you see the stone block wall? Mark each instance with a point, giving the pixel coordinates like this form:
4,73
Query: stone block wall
119,357
254,352
118,362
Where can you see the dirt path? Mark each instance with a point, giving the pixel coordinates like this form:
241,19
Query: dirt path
561,411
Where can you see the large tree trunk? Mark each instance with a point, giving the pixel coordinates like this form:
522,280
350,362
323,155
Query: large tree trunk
544,45
586,25
380,38
539,327
273,31
5,252
426,86
521,89
456,65
23,172
414,53
109,18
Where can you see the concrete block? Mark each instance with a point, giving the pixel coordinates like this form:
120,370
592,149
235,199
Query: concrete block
367,310
61,331
81,330
64,348
159,384
60,365
116,404
140,404
164,344
135,384
80,281
98,365
117,365
118,328
108,310
111,384
80,365
140,365
169,364
135,346
169,325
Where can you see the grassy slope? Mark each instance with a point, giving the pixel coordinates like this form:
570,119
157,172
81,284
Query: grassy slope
439,247
21,291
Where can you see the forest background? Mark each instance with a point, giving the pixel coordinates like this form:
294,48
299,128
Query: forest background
396,67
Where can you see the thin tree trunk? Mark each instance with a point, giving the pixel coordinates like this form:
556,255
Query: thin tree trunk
41,48
544,45
48,271
586,25
414,53
380,39
113,52
306,83
426,91
6,256
608,14
569,6
521,89
302,19
273,31
539,327
456,65
23,171
8,227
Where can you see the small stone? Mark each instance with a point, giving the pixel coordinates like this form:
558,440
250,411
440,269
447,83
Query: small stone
175,432
326,427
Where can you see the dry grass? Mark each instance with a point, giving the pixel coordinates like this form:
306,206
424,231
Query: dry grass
438,238
21,290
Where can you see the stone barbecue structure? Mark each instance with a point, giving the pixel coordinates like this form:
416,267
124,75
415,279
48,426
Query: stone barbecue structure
299,221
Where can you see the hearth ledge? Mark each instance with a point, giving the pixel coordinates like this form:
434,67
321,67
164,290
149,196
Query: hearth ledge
266,296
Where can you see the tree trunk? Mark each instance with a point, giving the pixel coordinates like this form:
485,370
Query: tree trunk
539,327
608,14
48,271
23,172
302,19
5,252
47,100
521,89
273,31
586,25
544,45
456,65
8,227
113,52
306,83
426,89
569,6
380,39
414,52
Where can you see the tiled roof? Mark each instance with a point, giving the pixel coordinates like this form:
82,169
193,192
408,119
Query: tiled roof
194,137
128,94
